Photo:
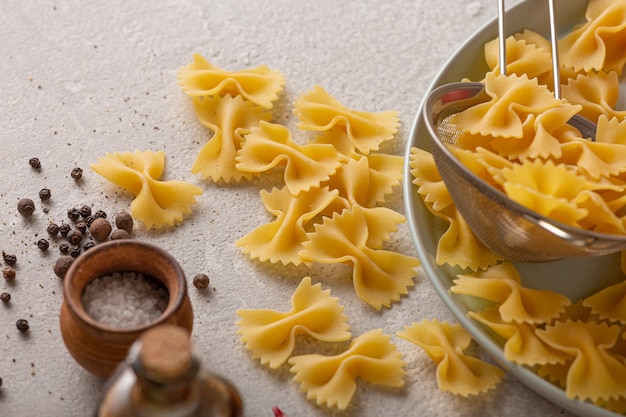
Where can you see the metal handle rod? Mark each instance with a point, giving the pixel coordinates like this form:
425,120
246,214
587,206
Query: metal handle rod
502,37
556,68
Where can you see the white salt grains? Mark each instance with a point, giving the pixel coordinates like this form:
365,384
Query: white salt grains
124,299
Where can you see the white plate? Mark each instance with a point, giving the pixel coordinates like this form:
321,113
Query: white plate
575,278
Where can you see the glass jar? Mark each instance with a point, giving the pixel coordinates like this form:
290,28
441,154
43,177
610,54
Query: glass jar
162,377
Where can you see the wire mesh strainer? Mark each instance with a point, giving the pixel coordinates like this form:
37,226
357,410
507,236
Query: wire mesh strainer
506,227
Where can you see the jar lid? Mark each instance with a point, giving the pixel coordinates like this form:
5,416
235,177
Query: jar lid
165,352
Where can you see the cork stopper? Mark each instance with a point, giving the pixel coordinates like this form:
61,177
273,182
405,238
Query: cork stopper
165,352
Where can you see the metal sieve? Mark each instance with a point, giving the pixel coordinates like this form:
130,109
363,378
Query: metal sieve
506,227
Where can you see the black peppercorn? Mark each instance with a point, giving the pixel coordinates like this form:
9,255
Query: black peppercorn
85,211
201,281
22,325
64,229
100,214
75,251
9,258
25,207
64,248
43,244
34,163
89,220
77,173
5,297
61,265
45,194
73,214
53,229
8,273
88,245
82,226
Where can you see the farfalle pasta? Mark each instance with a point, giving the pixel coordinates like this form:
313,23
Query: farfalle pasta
457,372
270,145
260,85
597,93
609,303
354,237
365,131
332,380
281,239
516,303
230,119
157,203
271,335
598,44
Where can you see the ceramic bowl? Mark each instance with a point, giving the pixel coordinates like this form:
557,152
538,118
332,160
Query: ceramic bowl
98,347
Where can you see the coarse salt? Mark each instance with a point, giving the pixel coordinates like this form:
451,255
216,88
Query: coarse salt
124,299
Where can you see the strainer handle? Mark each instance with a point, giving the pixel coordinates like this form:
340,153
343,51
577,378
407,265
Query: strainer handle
575,239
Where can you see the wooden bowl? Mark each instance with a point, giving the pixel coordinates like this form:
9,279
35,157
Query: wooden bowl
98,347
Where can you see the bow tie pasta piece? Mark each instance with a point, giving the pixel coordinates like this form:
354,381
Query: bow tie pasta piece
379,276
229,118
157,203
597,93
521,58
611,131
609,303
516,303
260,85
597,44
458,245
521,343
319,111
595,373
270,334
367,180
281,240
331,380
270,145
457,372
596,159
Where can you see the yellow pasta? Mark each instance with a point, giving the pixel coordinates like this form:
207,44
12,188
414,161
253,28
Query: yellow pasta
281,239
332,380
457,372
270,145
458,245
594,373
230,119
157,203
271,335
522,58
365,131
609,303
597,93
354,237
515,302
259,85
597,44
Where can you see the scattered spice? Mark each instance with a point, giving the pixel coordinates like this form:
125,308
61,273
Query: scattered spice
82,226
61,265
34,163
100,214
124,221
64,248
88,245
100,229
25,207
74,236
75,251
89,220
278,412
22,325
119,234
5,297
53,229
45,194
77,173
43,244
8,273
10,259
201,281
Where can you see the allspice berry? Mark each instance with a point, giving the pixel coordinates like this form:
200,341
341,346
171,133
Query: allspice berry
25,207
201,281
62,264
119,234
124,221
100,229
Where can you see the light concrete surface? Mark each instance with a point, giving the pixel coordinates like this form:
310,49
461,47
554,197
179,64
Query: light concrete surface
82,78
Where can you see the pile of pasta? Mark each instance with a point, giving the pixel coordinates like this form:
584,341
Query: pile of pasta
519,142
330,206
